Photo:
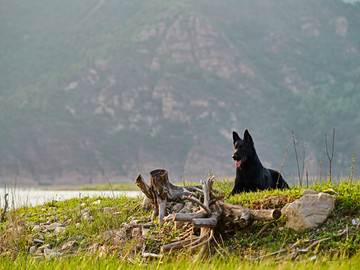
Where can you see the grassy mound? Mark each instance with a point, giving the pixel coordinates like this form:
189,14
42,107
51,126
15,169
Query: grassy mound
84,233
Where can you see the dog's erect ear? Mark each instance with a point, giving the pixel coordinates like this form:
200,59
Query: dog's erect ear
247,136
235,137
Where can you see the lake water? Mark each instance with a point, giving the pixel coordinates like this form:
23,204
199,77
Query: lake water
32,196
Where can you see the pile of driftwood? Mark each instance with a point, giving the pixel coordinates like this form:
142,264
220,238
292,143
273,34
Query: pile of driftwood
212,217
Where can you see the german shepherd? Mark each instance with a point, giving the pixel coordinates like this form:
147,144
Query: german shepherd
250,173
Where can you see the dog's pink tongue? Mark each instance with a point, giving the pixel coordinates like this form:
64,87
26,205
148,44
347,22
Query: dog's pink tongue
237,163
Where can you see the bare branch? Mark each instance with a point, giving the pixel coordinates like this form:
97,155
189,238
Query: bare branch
210,222
330,156
194,200
189,216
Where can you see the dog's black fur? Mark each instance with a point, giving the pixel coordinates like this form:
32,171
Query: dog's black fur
250,173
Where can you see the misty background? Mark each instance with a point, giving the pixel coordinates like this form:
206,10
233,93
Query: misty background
124,87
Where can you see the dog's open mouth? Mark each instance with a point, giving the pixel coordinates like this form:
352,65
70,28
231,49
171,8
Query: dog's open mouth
239,162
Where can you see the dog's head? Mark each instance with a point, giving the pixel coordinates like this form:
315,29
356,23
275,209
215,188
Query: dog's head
244,149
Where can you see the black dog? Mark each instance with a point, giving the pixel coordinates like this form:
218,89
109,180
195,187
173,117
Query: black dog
250,173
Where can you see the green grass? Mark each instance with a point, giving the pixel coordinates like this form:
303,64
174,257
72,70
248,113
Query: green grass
340,252
232,262
85,262
113,186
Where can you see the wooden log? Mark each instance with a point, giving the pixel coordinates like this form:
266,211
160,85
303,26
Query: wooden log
210,222
189,216
265,214
238,211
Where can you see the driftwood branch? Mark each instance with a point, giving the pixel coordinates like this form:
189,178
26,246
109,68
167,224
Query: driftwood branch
212,213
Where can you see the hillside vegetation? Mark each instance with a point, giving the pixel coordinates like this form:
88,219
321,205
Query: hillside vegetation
128,86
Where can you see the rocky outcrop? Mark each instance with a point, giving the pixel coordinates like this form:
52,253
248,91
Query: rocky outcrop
189,38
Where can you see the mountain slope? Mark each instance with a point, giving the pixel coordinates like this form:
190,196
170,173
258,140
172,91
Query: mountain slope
121,88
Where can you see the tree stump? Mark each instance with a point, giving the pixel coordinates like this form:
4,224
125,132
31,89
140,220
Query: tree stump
214,213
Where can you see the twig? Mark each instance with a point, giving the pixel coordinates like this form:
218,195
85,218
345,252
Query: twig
264,228
191,193
352,167
282,165
266,255
307,179
296,156
293,246
316,243
107,180
320,171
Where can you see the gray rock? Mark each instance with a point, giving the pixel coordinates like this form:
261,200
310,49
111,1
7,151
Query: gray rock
43,247
308,212
38,241
113,233
59,230
47,251
308,191
36,227
116,237
96,202
86,216
67,245
32,250
108,210
53,226
49,254
84,210
39,236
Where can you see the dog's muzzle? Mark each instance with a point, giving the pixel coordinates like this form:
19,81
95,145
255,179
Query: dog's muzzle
238,162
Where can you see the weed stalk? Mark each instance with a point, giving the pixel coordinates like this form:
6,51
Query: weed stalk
330,156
